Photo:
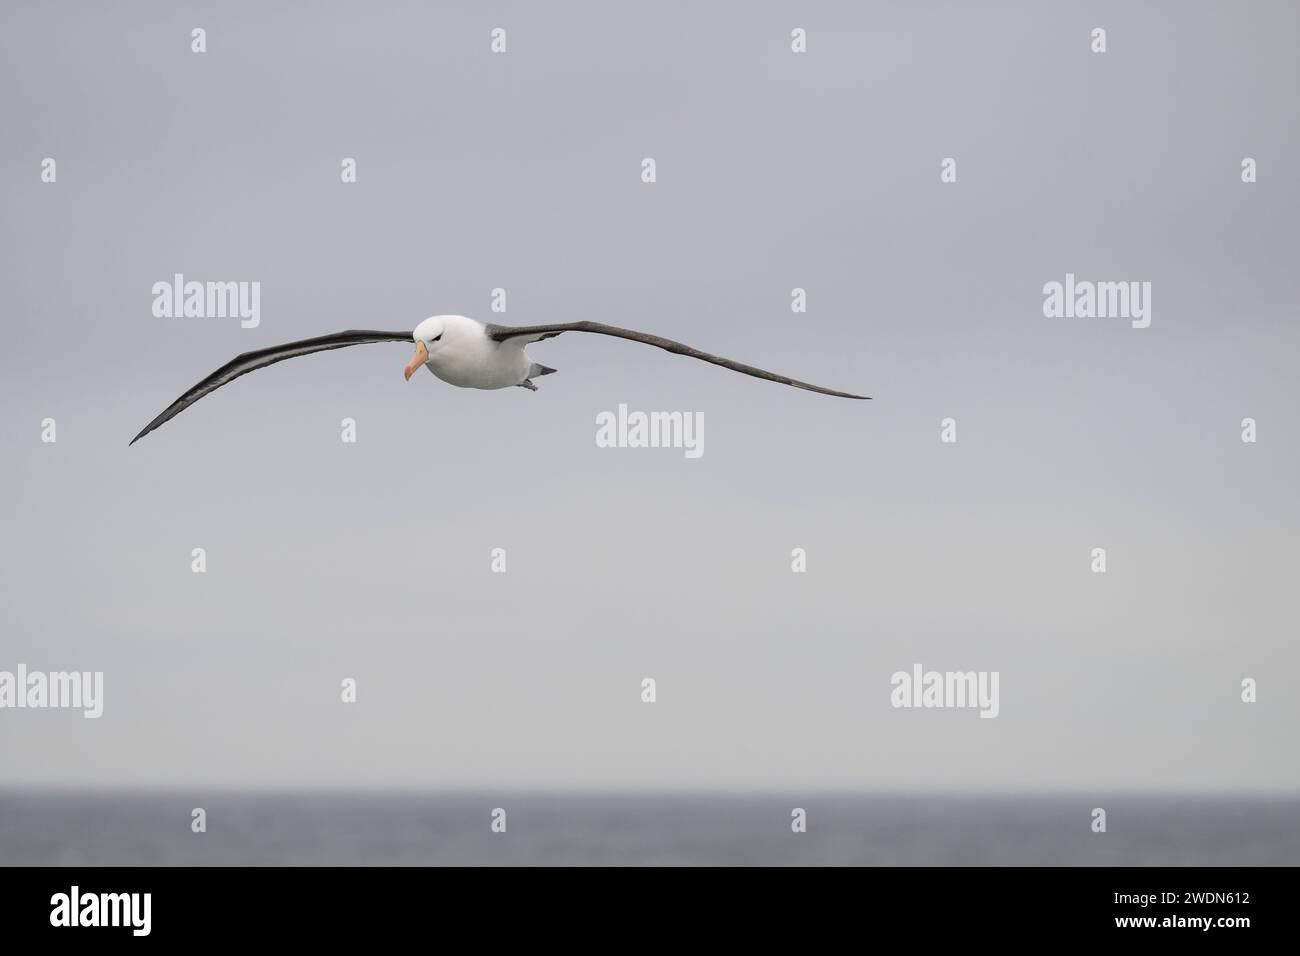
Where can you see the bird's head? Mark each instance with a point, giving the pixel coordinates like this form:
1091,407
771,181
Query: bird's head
428,336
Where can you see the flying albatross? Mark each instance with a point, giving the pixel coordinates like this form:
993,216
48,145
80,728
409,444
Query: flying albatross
460,351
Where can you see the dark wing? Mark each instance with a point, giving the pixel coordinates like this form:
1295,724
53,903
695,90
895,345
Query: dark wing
533,333
251,361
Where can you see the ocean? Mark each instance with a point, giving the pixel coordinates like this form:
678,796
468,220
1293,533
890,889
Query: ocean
455,829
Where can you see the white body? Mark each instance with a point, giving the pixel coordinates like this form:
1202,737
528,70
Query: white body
465,356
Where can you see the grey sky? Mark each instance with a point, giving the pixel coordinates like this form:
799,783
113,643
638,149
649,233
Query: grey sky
775,170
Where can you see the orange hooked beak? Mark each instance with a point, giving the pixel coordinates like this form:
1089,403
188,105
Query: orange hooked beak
419,358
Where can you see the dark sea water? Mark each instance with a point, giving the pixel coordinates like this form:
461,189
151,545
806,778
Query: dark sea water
102,829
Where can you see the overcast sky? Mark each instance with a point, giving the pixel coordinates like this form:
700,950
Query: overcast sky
775,170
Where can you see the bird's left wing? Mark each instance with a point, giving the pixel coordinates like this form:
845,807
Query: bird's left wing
532,333
251,361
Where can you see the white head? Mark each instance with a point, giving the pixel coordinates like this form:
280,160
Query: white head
428,336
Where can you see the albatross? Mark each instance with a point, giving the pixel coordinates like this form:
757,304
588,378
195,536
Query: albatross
461,352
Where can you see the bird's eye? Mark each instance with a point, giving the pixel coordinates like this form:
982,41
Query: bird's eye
436,337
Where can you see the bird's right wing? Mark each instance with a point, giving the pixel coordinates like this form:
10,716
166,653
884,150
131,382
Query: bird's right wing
252,361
